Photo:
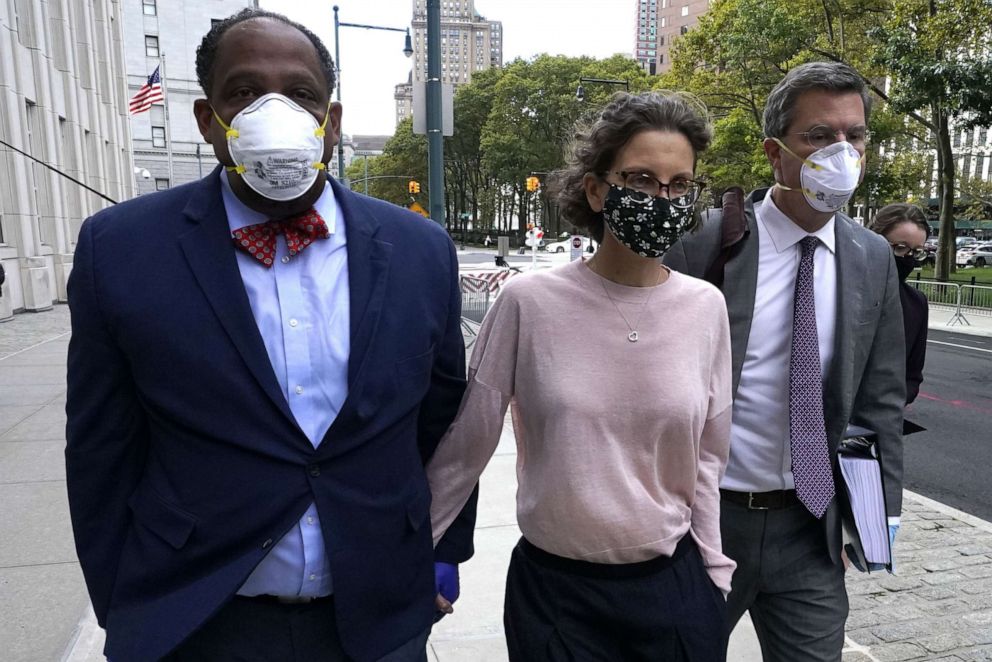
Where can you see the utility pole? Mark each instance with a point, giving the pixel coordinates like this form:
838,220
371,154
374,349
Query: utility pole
435,141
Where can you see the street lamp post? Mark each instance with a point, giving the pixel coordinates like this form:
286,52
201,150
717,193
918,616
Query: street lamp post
435,140
407,50
580,92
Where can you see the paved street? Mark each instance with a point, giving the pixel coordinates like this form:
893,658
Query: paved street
950,461
938,606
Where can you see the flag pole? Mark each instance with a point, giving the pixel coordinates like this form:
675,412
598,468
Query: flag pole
168,124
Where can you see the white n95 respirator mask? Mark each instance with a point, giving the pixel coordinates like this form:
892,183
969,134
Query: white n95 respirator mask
829,176
276,146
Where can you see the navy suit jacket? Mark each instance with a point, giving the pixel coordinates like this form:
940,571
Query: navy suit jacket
184,463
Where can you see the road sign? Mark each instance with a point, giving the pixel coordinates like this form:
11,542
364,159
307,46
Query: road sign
576,248
415,207
534,237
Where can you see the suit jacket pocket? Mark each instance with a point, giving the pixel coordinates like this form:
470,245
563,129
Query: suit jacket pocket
413,376
419,509
415,366
168,522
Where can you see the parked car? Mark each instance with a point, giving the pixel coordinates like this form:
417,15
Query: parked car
565,245
979,255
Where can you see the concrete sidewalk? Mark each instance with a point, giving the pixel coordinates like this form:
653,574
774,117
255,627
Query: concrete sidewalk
938,606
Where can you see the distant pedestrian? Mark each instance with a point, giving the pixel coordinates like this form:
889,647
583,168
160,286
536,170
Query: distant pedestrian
905,227
621,423
3,278
488,241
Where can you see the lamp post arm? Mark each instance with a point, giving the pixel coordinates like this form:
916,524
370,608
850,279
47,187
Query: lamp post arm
371,27
609,81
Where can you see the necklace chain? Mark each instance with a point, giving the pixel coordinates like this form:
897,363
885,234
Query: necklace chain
632,328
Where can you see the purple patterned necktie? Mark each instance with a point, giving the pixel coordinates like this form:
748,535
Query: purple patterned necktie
807,431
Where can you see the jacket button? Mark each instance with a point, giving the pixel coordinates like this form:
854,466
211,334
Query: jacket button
314,470
267,544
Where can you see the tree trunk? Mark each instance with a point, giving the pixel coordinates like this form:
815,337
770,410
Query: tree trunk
945,188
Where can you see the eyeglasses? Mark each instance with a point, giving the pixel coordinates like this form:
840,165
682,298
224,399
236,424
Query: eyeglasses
823,136
902,250
642,188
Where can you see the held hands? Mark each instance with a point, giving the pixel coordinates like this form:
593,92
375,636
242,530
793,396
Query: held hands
447,586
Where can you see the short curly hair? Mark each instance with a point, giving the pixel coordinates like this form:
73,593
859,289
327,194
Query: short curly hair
206,52
597,143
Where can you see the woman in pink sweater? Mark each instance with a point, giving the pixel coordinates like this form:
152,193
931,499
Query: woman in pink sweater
617,374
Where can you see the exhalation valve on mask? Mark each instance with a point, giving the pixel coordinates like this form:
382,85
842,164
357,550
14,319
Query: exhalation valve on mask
277,147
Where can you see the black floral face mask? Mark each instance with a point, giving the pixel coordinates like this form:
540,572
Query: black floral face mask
646,225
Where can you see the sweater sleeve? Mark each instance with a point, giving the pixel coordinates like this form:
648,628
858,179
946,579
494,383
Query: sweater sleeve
714,449
471,440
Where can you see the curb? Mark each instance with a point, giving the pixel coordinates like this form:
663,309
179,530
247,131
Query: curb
954,513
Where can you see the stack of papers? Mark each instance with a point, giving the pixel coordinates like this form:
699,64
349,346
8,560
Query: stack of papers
863,478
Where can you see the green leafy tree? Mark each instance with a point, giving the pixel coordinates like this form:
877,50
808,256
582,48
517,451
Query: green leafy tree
937,55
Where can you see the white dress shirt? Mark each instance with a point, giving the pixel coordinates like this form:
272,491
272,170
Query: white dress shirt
301,306
760,450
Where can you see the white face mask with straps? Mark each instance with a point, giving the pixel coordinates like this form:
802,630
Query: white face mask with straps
829,176
277,147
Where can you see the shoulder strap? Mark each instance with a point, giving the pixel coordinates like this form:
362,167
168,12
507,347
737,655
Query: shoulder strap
733,227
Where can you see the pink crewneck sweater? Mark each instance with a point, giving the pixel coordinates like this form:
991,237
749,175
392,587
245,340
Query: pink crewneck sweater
620,445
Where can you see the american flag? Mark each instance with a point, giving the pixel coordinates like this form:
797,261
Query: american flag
150,92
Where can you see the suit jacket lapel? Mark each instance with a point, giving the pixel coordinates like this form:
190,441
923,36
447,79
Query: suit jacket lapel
852,272
211,257
368,268
740,281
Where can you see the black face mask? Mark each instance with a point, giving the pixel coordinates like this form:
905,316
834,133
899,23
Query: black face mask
905,265
649,228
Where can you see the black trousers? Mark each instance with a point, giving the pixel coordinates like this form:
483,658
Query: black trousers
253,630
666,609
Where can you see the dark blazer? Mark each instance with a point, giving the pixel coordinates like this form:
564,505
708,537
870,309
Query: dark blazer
865,382
184,463
915,312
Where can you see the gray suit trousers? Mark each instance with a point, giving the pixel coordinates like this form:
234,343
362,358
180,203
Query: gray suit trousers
785,578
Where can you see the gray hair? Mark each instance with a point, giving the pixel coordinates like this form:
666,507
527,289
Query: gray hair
829,76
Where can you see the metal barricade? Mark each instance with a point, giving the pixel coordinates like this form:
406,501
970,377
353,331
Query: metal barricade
939,294
976,300
475,305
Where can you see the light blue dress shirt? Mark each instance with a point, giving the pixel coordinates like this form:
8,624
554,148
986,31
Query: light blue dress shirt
301,306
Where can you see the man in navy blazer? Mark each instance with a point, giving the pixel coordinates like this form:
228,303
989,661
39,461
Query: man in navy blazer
247,429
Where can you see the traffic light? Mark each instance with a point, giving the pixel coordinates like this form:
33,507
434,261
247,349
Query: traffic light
413,187
533,184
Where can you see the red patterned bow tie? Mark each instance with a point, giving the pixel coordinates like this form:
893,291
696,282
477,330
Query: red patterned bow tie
259,240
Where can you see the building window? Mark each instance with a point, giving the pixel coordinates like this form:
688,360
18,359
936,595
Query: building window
685,10
661,40
158,136
664,22
148,7
161,184
661,59
151,46
683,29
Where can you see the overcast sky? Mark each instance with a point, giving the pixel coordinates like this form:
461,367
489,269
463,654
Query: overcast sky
372,61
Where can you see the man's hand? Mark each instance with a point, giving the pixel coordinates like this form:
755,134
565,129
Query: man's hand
448,589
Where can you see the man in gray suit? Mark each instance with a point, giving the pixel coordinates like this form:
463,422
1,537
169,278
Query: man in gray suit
817,342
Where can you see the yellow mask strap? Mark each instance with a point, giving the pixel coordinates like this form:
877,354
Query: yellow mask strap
238,169
319,131
811,164
231,133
